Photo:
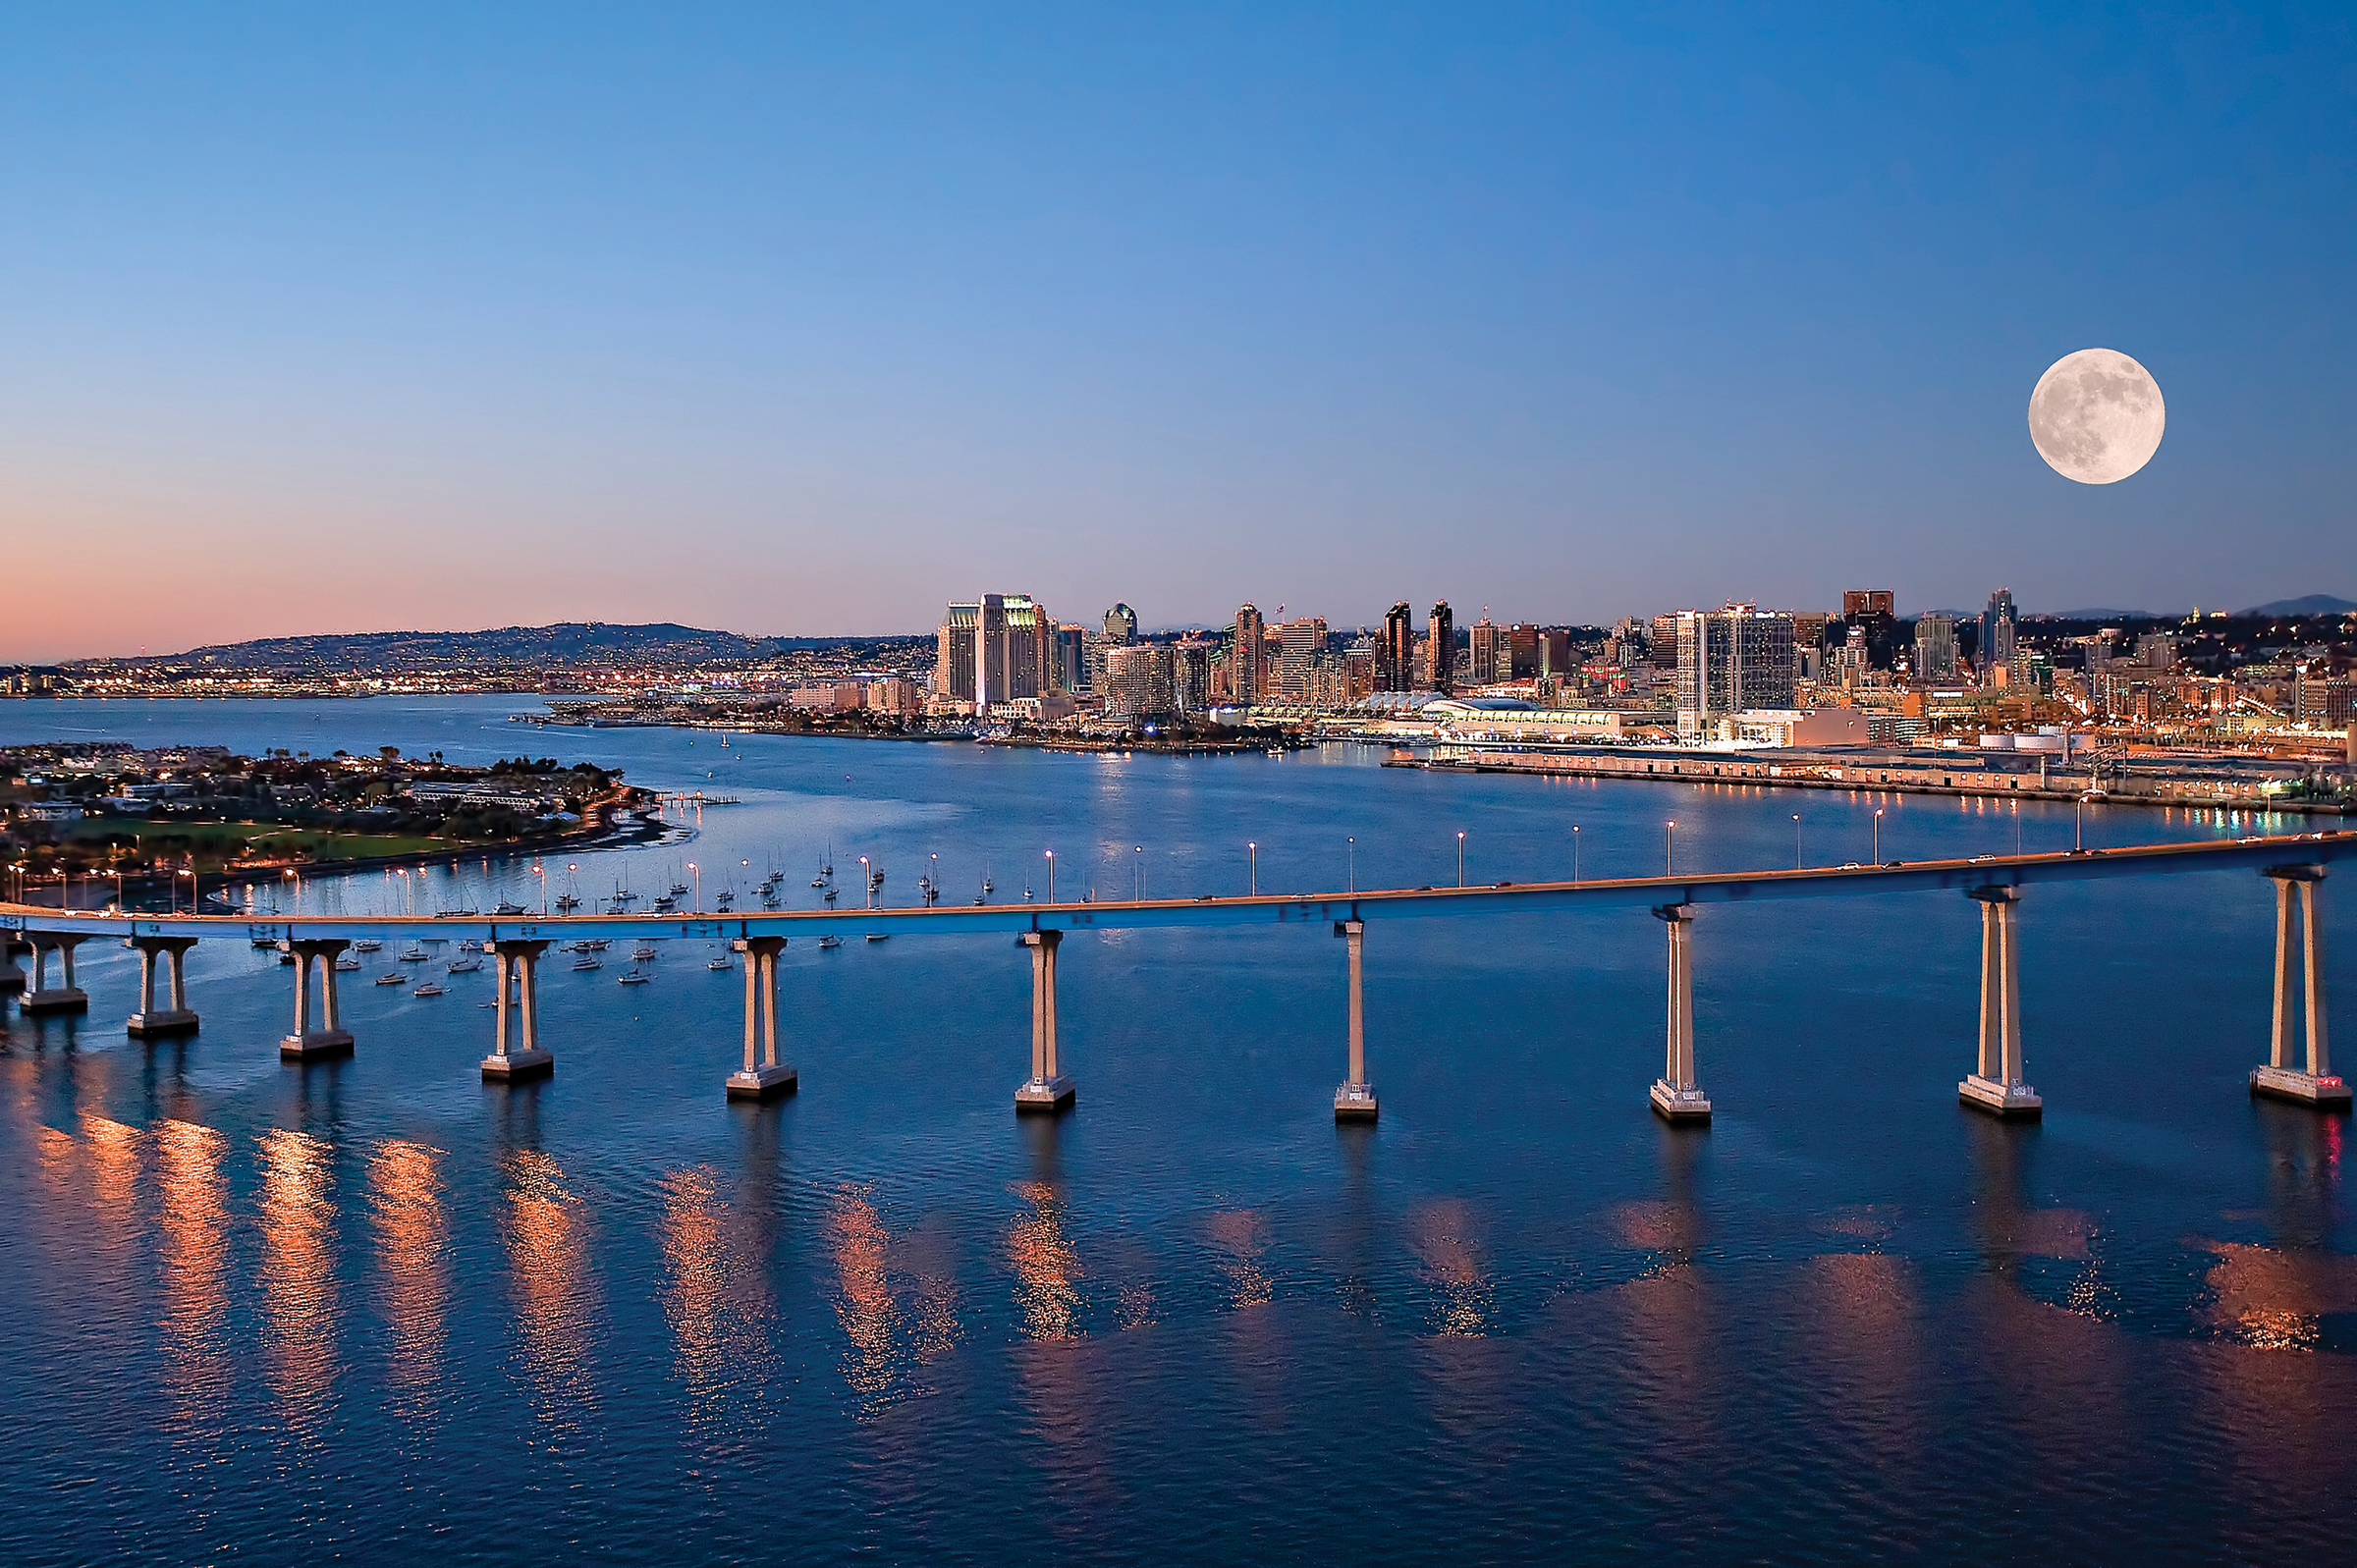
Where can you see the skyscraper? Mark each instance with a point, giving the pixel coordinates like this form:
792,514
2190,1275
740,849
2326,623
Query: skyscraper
993,649
1661,646
1997,632
1523,653
1440,668
1873,612
1393,646
1732,660
1138,679
1190,674
1487,660
1935,646
1121,625
1249,672
1070,662
1301,639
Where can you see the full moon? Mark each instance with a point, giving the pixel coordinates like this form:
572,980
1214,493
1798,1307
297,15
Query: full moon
2096,416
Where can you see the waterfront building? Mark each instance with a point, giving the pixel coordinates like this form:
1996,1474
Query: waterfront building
1138,679
1440,661
1732,660
1393,648
1935,646
1247,658
892,695
992,649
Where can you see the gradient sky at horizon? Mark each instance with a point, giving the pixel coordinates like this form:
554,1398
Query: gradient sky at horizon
804,321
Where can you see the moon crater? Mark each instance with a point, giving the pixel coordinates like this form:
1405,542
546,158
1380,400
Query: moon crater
2097,417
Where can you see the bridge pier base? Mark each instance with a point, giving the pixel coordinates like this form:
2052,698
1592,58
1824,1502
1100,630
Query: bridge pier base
331,1039
150,1021
1355,1099
43,997
1998,1086
1677,1097
2279,1079
12,947
518,967
770,1079
1048,1090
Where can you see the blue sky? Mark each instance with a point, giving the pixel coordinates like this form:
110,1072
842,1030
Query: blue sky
806,320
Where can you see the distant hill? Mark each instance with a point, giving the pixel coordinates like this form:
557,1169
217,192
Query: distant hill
589,643
2315,604
2111,614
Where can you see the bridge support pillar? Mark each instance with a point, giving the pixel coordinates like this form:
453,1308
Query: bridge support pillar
1677,1097
768,1078
43,997
2280,1078
1355,1100
514,1060
1998,1086
1049,1091
331,1039
151,1021
12,947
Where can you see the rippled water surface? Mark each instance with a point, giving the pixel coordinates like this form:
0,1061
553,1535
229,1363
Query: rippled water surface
376,1309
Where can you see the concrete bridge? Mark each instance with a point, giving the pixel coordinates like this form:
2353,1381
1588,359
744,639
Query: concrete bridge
1996,883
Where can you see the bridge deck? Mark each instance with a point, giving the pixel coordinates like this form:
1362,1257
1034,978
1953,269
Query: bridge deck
1735,887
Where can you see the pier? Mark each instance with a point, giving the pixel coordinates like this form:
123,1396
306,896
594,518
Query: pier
1997,1083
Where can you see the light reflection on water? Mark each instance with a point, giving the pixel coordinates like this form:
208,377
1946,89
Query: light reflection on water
412,1270
300,1306
556,1298
192,1223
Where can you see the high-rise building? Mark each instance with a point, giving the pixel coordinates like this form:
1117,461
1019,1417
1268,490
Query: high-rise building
1300,641
1440,663
1121,625
1394,647
1554,652
1732,660
1249,658
994,649
1190,674
1857,602
1997,632
1488,658
1522,652
1138,679
1935,646
1661,645
1072,657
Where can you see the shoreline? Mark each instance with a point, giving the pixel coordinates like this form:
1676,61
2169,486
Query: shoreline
649,828
1766,776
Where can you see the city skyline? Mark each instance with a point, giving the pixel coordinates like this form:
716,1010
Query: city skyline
732,324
